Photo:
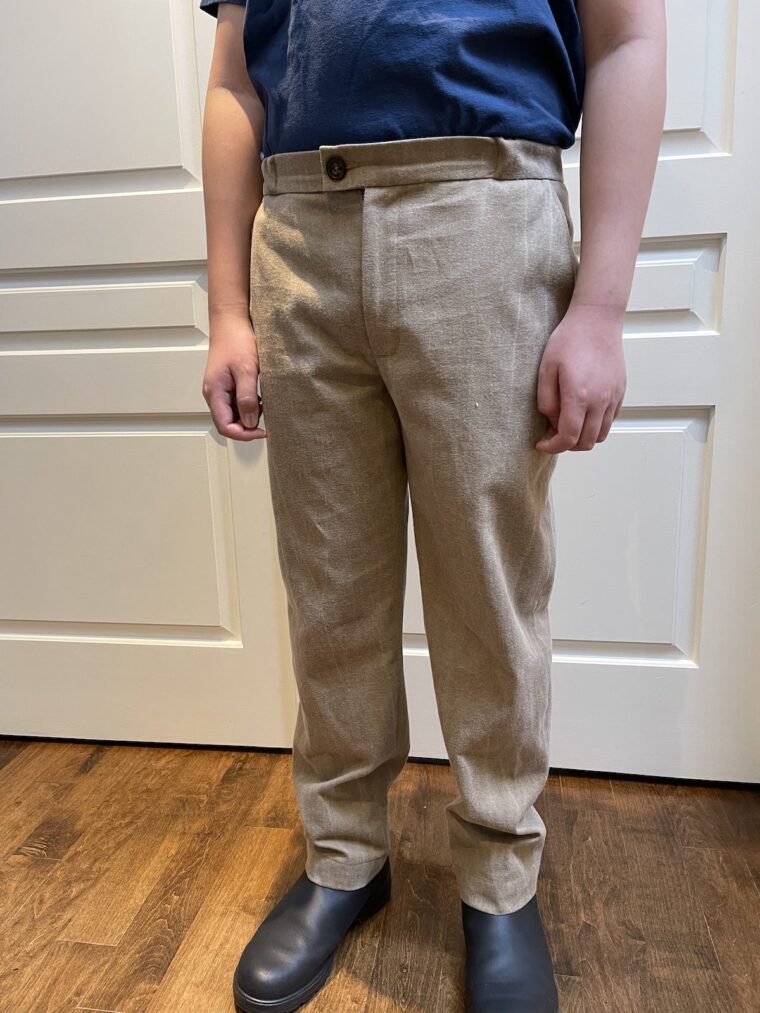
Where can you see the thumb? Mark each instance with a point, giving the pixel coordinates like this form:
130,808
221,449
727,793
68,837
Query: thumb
548,393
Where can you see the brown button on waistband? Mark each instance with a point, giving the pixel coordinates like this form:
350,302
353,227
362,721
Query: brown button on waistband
335,167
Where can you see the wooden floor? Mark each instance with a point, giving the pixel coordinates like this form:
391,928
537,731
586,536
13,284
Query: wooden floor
131,877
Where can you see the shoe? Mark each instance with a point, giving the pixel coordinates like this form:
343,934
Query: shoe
508,967
290,956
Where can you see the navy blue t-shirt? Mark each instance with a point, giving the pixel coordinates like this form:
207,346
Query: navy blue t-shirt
353,71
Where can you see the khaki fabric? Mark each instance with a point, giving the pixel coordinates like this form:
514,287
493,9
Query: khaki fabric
401,313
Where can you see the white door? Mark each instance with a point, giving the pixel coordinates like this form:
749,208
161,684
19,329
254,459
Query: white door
656,607
140,597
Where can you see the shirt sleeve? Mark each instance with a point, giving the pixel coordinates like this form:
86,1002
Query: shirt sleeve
212,6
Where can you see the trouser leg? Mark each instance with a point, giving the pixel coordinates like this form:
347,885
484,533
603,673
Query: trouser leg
339,493
482,272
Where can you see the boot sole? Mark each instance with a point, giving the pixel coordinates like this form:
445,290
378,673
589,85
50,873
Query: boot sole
288,1003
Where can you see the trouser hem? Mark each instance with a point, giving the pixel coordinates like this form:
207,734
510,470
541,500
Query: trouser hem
340,875
494,897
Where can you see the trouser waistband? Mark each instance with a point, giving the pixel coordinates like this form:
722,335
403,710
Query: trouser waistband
409,160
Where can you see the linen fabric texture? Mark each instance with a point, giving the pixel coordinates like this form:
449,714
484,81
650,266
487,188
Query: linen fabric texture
401,312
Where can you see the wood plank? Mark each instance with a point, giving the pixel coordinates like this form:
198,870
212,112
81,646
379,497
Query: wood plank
742,809
587,793
133,876
197,847
132,838
260,863
729,900
274,805
699,820
36,779
644,805
10,749
608,925
92,893
75,966
555,885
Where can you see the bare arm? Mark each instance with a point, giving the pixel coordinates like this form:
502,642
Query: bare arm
582,375
232,186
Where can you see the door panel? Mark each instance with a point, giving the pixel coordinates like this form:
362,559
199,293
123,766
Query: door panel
141,597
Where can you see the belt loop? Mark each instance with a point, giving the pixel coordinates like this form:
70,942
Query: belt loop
272,174
504,163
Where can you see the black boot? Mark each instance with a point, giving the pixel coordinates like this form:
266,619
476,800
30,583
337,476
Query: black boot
508,967
290,956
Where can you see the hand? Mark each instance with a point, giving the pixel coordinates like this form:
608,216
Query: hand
230,382
582,379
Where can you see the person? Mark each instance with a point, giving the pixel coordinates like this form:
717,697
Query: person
394,291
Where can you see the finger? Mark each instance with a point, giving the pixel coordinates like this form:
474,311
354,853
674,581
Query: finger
556,444
220,406
548,393
248,401
571,419
548,402
609,416
590,430
237,431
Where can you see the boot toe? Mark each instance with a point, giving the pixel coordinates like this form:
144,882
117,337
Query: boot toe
508,964
290,956
269,974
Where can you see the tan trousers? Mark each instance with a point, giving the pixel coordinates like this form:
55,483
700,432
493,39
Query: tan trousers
402,294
